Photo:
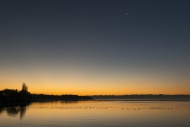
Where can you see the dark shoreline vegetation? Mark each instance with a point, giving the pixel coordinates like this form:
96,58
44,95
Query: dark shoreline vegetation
23,97
9,97
15,97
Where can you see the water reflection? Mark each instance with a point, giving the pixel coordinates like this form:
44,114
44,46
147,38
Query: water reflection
97,113
1,110
14,110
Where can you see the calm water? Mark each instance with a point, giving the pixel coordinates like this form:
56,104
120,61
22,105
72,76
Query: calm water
98,114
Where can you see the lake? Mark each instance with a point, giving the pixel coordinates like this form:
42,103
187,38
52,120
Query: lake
98,114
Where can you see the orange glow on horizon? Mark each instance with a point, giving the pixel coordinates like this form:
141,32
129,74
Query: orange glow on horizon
96,85
100,91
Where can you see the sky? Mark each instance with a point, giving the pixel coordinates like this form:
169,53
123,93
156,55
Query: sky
90,47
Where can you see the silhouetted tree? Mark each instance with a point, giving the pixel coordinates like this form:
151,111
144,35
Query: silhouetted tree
9,95
24,87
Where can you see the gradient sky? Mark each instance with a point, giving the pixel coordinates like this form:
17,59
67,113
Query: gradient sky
91,47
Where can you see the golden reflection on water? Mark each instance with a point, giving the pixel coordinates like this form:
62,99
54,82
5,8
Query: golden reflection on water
102,112
110,108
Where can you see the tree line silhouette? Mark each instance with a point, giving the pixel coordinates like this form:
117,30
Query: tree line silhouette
12,95
15,96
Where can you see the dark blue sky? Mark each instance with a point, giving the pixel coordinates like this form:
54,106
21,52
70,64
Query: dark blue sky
154,35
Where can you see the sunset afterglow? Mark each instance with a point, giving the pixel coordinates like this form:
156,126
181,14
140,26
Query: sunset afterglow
94,47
